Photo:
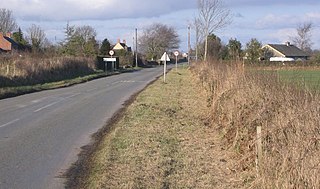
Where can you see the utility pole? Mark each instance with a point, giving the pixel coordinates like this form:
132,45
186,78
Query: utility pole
136,47
189,45
197,42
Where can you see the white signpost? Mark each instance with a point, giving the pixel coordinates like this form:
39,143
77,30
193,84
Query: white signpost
164,58
112,60
176,53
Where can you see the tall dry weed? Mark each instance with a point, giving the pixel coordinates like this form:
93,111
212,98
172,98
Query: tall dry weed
29,70
242,99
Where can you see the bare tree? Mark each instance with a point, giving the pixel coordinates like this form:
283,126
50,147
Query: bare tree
7,22
85,32
158,38
36,37
303,38
199,37
212,16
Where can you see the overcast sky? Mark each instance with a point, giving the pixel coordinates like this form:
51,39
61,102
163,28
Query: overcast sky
270,21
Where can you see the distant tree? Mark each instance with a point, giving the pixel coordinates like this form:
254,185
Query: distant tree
37,38
234,49
316,56
19,38
212,16
91,47
80,41
7,21
158,38
214,48
253,50
105,47
303,37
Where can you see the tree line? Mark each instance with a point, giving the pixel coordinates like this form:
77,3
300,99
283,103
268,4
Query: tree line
213,15
79,40
155,39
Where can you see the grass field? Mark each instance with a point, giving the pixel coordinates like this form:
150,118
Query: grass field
308,78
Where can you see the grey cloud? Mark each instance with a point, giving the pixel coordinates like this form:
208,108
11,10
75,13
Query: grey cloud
239,3
73,10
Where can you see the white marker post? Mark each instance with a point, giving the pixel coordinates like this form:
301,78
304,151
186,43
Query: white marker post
176,53
165,58
165,67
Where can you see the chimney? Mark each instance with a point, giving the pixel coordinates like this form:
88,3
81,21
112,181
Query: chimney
8,35
118,41
124,41
288,43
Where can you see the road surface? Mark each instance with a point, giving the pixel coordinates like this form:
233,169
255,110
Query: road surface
42,133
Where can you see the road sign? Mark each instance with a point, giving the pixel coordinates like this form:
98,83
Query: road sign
109,59
111,52
165,57
176,53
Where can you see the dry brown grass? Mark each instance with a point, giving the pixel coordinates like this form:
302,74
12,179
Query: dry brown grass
290,118
30,70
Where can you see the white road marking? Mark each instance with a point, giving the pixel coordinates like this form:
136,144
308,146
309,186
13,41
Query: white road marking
47,106
9,123
73,95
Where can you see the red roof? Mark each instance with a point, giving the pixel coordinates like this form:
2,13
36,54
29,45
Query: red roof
5,45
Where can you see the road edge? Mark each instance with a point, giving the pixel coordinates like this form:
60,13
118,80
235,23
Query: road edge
78,169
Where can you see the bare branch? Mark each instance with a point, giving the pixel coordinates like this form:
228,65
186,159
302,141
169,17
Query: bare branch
36,36
157,39
212,16
7,22
303,38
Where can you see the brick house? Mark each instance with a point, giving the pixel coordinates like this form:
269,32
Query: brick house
5,44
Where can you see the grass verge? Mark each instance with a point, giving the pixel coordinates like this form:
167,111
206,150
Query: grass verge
7,92
160,141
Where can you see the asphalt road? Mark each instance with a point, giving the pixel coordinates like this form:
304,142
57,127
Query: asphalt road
42,133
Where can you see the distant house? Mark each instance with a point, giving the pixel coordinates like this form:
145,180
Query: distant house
284,52
7,44
122,46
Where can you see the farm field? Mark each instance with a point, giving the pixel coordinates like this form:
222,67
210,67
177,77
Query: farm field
302,77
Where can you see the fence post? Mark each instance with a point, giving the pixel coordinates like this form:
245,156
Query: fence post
8,69
258,148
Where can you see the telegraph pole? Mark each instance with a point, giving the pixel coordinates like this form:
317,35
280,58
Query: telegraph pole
136,47
189,45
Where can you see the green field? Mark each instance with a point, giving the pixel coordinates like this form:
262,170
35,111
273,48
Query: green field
306,78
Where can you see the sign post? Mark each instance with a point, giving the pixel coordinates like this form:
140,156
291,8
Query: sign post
165,58
111,52
176,53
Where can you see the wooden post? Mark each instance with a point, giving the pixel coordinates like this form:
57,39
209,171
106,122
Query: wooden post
258,148
7,69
